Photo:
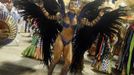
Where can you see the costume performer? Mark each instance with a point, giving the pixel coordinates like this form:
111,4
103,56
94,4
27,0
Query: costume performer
63,44
8,24
34,50
57,30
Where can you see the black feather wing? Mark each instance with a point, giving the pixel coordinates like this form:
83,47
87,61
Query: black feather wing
85,35
62,7
49,29
53,27
84,38
90,10
109,22
52,6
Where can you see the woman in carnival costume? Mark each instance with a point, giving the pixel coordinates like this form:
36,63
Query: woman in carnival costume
57,30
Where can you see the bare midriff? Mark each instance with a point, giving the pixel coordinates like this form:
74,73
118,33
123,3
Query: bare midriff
67,33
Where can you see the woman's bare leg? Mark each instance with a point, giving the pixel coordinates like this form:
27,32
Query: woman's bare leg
58,48
67,53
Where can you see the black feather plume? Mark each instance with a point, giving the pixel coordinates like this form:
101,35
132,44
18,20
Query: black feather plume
108,25
90,8
53,7
48,28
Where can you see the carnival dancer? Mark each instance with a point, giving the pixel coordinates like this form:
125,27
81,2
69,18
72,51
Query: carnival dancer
9,21
57,31
63,44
